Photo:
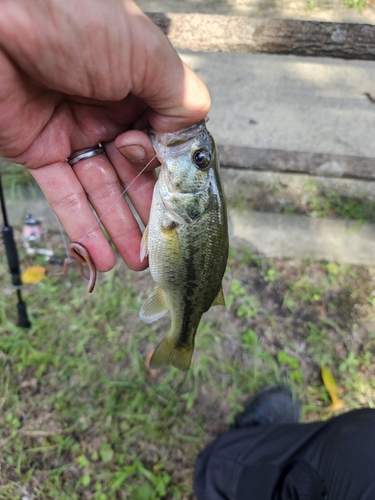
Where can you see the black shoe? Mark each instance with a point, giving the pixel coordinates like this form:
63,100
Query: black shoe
272,405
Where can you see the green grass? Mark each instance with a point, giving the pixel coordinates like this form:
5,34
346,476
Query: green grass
310,4
351,4
356,4
81,417
342,206
332,204
309,198
16,178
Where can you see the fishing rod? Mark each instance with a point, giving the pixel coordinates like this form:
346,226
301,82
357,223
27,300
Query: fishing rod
13,263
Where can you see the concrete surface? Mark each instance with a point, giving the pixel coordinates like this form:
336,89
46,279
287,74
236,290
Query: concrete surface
275,235
288,102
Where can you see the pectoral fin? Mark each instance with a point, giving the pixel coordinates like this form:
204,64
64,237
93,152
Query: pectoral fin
219,299
144,244
155,306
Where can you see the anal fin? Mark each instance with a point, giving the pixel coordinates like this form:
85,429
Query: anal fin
219,299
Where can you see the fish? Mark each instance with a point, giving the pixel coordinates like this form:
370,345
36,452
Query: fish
186,240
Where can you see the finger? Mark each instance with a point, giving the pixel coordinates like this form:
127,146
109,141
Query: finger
68,199
138,186
187,103
136,147
104,191
176,95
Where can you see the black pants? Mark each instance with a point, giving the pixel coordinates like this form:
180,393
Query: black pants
333,460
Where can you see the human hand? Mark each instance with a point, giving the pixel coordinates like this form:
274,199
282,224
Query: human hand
73,74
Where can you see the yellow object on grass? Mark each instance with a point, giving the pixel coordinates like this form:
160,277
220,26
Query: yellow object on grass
332,388
33,274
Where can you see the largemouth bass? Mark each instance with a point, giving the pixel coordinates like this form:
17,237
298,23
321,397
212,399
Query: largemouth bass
186,240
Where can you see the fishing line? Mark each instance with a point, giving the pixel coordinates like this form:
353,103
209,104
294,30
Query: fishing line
117,199
106,212
62,235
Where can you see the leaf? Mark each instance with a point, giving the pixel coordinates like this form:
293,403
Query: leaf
86,479
332,388
106,452
33,274
82,460
144,492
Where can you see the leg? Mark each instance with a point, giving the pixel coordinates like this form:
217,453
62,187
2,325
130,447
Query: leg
344,454
269,461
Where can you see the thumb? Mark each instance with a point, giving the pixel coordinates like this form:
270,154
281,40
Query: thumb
185,104
176,96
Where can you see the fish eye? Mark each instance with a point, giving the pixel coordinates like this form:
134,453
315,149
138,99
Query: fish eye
202,158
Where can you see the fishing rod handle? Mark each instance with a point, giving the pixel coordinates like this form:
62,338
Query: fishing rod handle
23,320
12,255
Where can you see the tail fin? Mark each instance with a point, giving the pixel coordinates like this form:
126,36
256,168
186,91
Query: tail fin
167,353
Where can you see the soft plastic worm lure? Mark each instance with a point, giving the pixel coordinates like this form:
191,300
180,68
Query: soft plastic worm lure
80,255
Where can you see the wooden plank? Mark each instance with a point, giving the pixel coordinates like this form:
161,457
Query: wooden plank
205,32
327,165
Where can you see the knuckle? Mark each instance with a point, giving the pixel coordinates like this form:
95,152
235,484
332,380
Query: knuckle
126,233
105,190
68,202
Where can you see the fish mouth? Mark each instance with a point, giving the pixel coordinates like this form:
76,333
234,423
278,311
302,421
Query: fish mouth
170,139
187,134
174,143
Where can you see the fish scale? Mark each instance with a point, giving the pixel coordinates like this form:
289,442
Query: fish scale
186,240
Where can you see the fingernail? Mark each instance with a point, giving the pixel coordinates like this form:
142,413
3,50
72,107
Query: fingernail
133,152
